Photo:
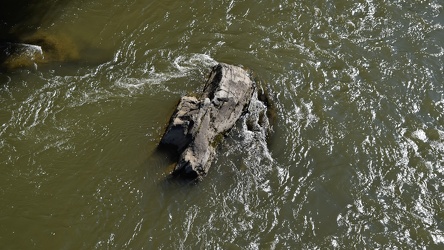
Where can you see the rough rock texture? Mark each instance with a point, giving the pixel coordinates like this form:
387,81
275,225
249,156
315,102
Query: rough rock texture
199,124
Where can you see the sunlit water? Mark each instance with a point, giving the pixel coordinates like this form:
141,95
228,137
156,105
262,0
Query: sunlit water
356,159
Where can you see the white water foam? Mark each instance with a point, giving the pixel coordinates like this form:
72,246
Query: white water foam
181,67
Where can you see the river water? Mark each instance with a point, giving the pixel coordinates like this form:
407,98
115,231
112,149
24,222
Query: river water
356,159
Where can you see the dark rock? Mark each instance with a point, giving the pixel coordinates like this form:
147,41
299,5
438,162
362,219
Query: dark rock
199,124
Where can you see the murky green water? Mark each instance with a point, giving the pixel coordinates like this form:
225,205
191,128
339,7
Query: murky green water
356,160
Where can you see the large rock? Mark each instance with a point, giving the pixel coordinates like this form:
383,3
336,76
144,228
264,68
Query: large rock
199,123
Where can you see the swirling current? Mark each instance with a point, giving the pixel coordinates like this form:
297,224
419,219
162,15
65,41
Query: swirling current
355,160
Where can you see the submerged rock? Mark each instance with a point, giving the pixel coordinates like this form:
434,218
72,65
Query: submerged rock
17,55
199,123
36,49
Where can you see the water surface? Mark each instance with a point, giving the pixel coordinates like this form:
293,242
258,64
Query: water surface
356,159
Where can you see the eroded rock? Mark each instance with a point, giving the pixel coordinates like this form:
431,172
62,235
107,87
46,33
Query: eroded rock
199,123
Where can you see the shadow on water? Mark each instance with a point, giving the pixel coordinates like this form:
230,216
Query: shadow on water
165,159
20,18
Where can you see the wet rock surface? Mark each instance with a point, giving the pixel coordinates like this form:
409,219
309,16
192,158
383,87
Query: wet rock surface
200,123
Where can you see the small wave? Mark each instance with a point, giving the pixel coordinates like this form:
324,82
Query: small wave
181,66
248,140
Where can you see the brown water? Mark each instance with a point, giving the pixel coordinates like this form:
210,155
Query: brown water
356,159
